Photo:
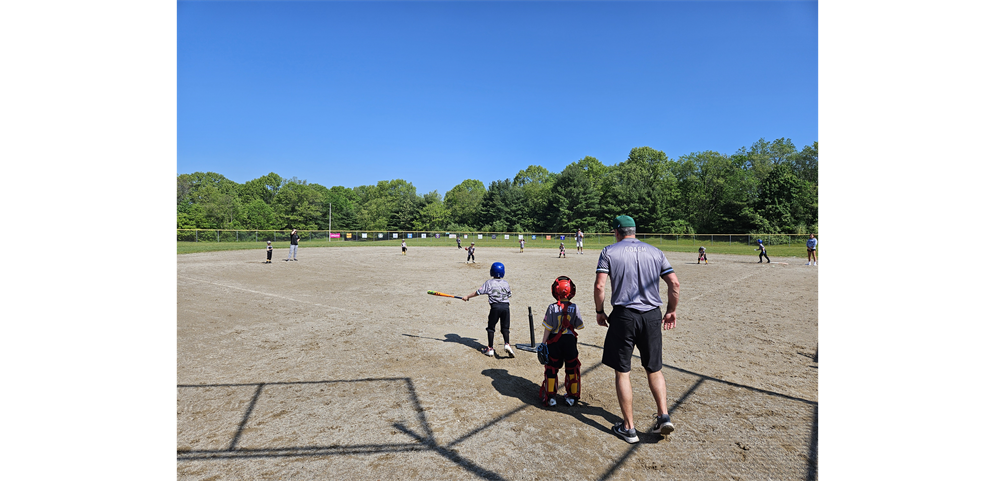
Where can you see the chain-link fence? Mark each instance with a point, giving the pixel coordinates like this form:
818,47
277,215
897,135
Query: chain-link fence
534,239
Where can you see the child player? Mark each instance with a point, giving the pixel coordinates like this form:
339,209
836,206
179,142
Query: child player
469,253
560,337
563,252
498,292
521,245
269,252
763,251
701,255
404,248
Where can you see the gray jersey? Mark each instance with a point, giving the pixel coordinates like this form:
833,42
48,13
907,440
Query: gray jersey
635,269
497,290
554,321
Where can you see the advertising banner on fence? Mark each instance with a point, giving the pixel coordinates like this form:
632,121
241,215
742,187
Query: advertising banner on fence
334,235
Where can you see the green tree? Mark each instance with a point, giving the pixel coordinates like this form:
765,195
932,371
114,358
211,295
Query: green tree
433,214
574,200
389,204
217,197
642,187
263,188
343,203
784,200
710,186
463,202
503,205
297,205
535,182
805,164
259,215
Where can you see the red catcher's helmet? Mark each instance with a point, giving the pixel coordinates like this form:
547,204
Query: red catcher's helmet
563,289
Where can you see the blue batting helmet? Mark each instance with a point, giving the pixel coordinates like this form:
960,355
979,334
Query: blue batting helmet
497,270
760,241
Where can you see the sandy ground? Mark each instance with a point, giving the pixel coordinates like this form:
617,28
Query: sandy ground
341,366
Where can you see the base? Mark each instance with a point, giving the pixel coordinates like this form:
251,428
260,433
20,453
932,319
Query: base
526,347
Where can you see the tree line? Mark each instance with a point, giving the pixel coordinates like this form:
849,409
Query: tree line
770,187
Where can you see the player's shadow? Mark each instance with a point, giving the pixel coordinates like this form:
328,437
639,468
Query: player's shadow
470,342
527,392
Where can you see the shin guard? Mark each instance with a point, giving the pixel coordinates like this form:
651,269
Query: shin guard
572,382
549,384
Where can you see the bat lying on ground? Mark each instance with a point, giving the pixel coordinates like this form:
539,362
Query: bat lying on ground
433,293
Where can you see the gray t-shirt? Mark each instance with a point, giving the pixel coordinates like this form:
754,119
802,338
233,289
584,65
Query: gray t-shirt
497,290
635,269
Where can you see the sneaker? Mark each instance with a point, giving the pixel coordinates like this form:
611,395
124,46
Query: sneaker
551,402
507,348
815,263
629,435
662,425
489,351
570,401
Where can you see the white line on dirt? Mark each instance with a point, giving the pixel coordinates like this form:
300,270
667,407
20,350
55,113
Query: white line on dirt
268,294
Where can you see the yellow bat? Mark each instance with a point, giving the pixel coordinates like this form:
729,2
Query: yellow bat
433,293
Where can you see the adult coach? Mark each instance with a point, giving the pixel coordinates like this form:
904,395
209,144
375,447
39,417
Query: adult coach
580,241
294,239
635,269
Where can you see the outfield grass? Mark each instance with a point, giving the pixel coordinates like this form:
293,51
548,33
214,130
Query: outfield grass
592,244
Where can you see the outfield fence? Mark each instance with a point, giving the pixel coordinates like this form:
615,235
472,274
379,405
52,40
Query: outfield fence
533,239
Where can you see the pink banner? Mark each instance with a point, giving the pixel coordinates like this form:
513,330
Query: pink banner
334,235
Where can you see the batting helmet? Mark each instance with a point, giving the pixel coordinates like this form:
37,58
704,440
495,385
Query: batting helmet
497,270
760,241
563,288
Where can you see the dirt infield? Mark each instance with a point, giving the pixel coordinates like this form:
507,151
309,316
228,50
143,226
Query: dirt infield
341,366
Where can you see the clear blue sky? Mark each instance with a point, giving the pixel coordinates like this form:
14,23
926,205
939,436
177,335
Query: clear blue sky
350,93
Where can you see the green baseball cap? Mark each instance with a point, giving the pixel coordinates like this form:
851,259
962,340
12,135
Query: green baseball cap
623,221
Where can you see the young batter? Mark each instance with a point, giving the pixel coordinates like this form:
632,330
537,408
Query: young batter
498,293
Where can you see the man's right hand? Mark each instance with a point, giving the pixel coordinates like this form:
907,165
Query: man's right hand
603,320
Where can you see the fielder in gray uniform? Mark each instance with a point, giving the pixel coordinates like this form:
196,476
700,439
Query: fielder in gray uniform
635,269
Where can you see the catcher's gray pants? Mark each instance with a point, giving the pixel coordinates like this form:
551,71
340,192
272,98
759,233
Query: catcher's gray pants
293,251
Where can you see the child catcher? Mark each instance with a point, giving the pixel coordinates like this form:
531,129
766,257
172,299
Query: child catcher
561,323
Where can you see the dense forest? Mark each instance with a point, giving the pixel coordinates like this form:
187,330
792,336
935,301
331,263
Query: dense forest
770,187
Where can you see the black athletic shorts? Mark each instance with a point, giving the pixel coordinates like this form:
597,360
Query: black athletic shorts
628,328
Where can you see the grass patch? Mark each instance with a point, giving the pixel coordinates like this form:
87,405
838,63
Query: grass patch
592,245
